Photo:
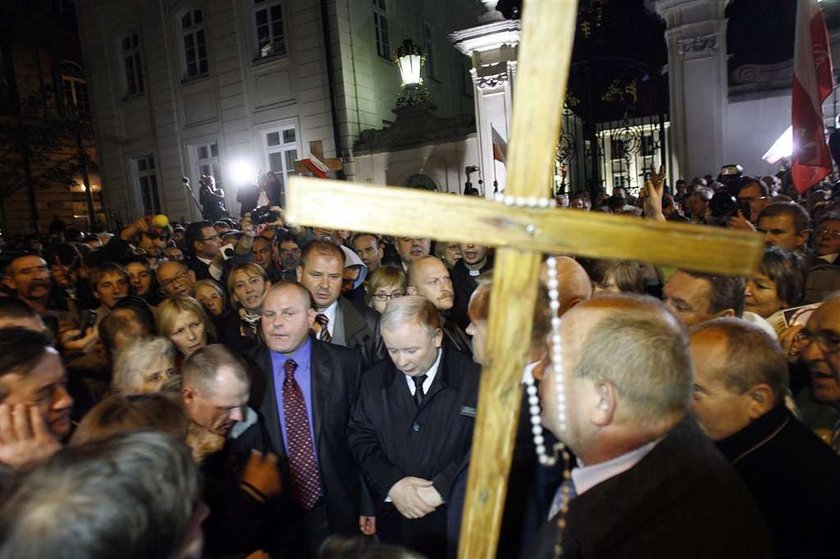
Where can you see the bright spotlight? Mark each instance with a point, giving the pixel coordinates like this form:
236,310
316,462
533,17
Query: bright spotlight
782,147
242,171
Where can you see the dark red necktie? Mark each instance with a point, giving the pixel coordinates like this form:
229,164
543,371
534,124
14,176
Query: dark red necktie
306,481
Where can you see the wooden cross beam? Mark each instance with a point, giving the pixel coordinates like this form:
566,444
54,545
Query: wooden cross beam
521,236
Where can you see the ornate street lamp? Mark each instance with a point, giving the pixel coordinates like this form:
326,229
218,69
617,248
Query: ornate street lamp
409,58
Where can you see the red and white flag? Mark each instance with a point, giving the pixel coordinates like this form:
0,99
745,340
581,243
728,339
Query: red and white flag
813,82
499,146
316,166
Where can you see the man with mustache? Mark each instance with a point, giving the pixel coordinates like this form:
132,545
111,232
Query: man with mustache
29,276
475,261
339,320
429,278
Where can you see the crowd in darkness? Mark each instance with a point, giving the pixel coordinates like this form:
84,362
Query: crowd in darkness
254,388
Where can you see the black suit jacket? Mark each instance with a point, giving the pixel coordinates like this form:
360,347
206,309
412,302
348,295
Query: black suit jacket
361,331
335,384
795,480
392,438
681,500
199,268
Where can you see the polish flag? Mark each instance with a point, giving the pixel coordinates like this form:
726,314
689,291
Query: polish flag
499,146
813,82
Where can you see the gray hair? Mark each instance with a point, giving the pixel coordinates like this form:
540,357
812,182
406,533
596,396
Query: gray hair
752,356
643,352
134,359
201,369
131,495
408,309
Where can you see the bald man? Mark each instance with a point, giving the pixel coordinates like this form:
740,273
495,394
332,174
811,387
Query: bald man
574,284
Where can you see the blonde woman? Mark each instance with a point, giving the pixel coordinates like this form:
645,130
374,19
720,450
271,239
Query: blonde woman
183,320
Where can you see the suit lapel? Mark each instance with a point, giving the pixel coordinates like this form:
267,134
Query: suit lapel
321,380
353,321
268,405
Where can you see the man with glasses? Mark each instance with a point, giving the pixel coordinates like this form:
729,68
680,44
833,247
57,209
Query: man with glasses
818,347
202,244
175,278
827,238
755,193
823,272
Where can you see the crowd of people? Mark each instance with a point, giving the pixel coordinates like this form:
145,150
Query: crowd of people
254,388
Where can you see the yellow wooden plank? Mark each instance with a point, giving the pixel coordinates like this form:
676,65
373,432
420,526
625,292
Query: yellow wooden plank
404,211
499,400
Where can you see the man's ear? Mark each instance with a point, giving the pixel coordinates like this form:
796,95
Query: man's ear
728,313
310,315
9,281
803,237
299,273
188,395
411,290
605,403
762,400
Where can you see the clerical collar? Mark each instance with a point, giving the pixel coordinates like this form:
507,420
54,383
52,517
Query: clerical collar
430,375
587,477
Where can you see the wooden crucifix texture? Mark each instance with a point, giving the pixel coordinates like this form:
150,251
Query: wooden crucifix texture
521,235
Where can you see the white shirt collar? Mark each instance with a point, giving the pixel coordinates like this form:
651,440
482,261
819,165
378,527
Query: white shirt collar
430,376
528,372
587,477
830,258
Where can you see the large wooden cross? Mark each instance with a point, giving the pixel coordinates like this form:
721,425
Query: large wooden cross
521,235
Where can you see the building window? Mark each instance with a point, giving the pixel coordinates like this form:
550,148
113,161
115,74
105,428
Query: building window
281,148
207,161
75,94
195,45
268,26
132,65
380,25
147,180
428,47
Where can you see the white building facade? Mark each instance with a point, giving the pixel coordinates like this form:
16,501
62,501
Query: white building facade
182,88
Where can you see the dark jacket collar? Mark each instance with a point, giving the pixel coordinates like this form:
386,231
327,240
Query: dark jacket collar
756,434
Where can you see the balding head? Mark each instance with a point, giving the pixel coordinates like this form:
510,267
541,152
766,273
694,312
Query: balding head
574,284
627,373
429,277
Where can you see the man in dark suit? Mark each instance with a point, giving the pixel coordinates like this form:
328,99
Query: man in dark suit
412,426
648,483
339,320
307,390
741,378
202,244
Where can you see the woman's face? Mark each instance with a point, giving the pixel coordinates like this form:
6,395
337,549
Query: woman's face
762,297
188,333
210,300
159,371
607,286
383,295
141,278
451,254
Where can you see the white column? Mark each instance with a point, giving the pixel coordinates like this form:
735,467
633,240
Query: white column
697,75
492,49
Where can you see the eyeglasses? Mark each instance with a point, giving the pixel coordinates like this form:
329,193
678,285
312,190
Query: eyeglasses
828,233
828,341
178,278
382,297
212,237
